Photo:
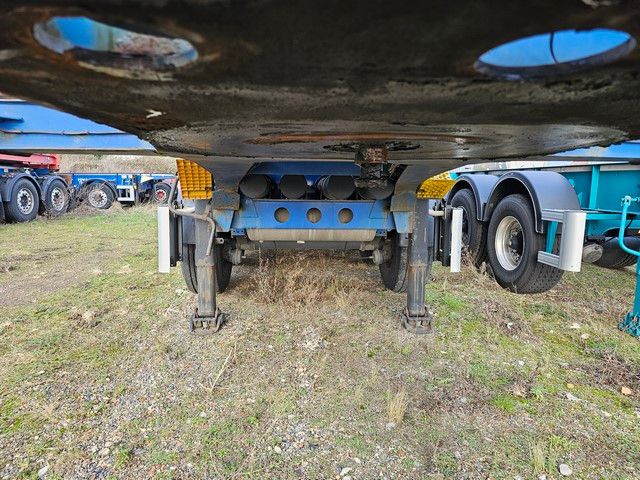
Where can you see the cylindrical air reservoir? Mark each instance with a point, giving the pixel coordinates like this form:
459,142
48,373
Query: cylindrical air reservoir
376,193
293,186
336,187
255,185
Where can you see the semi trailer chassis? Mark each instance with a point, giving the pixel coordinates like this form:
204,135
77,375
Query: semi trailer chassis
402,232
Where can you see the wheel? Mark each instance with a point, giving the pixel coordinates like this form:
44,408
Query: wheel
474,236
627,262
100,196
189,272
56,198
23,201
161,192
513,245
394,269
614,257
188,266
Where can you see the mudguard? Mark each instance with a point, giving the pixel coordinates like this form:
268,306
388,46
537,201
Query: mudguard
481,186
87,184
6,186
547,191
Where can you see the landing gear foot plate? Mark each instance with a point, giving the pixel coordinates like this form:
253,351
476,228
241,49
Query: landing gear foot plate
419,325
206,325
631,324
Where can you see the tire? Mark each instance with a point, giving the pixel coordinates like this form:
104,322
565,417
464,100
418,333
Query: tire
614,257
394,270
627,262
513,245
188,266
474,235
23,202
161,192
100,196
189,272
56,198
620,261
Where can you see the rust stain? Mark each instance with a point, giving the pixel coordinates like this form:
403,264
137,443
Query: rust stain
364,137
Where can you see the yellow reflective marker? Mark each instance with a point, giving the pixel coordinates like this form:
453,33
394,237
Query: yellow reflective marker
195,181
436,186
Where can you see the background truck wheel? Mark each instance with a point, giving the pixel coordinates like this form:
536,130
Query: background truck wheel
188,265
55,198
23,202
100,196
614,257
513,246
161,192
394,269
474,236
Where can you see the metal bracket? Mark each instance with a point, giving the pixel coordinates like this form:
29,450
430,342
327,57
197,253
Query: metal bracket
456,239
569,257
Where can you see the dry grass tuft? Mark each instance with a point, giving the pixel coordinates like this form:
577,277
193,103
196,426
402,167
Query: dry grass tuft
537,454
301,279
397,405
117,163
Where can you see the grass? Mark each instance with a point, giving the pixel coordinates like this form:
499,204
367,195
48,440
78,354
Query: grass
397,404
99,377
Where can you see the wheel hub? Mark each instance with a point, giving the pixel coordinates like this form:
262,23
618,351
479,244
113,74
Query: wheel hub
25,201
509,243
97,198
57,198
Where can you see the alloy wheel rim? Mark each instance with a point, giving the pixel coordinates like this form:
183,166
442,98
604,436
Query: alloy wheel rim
509,243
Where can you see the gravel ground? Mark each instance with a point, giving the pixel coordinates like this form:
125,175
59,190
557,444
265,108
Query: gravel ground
311,378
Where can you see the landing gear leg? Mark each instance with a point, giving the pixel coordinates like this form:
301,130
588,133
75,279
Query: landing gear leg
207,317
416,317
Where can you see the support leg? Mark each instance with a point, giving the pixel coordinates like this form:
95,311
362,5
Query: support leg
207,316
416,317
631,322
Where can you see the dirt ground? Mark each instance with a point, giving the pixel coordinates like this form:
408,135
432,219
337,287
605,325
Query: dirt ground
311,378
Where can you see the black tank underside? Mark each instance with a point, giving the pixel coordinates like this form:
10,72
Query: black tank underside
318,79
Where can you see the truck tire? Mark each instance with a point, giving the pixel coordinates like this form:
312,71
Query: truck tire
513,245
620,260
188,267
100,196
189,272
394,269
23,201
55,198
161,192
627,262
474,235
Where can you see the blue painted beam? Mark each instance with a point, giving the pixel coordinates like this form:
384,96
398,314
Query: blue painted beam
29,128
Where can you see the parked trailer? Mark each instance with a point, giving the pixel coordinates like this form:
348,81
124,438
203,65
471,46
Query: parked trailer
373,209
511,222
30,185
100,190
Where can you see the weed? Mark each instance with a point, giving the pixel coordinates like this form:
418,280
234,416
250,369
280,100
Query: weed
538,457
122,456
506,403
397,405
